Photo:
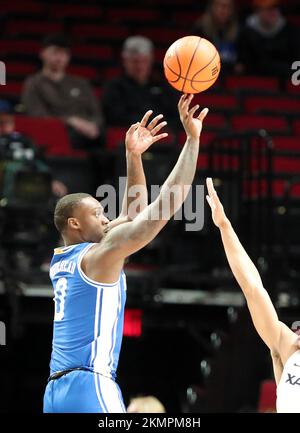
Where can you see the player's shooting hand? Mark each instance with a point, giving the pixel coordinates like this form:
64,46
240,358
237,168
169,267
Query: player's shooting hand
140,136
217,210
192,125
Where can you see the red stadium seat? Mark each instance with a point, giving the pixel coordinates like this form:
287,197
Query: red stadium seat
8,47
122,15
217,102
254,123
115,137
161,35
81,12
22,8
296,127
95,52
269,104
83,71
291,88
20,68
286,164
111,72
94,31
249,83
11,89
27,27
185,18
215,122
254,188
286,143
47,132
206,138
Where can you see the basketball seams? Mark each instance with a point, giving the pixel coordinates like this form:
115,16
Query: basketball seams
190,64
204,67
187,79
173,72
186,50
177,58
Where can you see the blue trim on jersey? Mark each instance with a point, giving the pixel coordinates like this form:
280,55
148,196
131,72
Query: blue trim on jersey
113,334
100,393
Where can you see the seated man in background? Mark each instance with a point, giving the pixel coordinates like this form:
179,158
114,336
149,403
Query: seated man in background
127,97
53,92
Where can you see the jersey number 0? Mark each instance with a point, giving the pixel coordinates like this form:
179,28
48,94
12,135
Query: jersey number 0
59,298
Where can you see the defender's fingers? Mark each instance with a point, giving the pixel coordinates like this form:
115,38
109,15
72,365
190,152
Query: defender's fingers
154,121
146,117
209,200
158,128
210,186
159,137
203,114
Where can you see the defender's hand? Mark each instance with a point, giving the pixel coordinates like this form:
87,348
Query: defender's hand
192,125
217,210
139,137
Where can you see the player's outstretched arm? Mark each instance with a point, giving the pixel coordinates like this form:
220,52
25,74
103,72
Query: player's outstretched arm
122,241
139,137
127,239
277,336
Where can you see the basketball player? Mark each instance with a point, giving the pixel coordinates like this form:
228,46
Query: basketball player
283,343
89,281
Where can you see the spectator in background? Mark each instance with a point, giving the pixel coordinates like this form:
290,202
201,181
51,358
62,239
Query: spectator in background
127,97
268,44
219,24
53,92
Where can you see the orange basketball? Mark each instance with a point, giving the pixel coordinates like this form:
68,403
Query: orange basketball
192,64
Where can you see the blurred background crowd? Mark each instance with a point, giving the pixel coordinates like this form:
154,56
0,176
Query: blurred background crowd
77,76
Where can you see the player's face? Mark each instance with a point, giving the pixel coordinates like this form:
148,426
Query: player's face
56,58
269,16
222,11
138,66
92,222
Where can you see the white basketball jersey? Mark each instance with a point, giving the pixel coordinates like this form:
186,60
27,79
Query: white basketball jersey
288,389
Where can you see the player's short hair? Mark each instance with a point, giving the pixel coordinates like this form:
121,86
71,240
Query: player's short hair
65,207
137,45
56,39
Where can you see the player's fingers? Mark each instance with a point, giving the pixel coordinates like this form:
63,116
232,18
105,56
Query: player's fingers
193,110
203,114
133,128
159,137
154,121
181,100
188,101
158,128
146,117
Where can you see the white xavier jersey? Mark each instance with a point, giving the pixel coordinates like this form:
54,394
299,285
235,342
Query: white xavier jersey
288,389
88,321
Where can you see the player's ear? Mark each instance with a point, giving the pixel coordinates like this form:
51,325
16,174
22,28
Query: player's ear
73,223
